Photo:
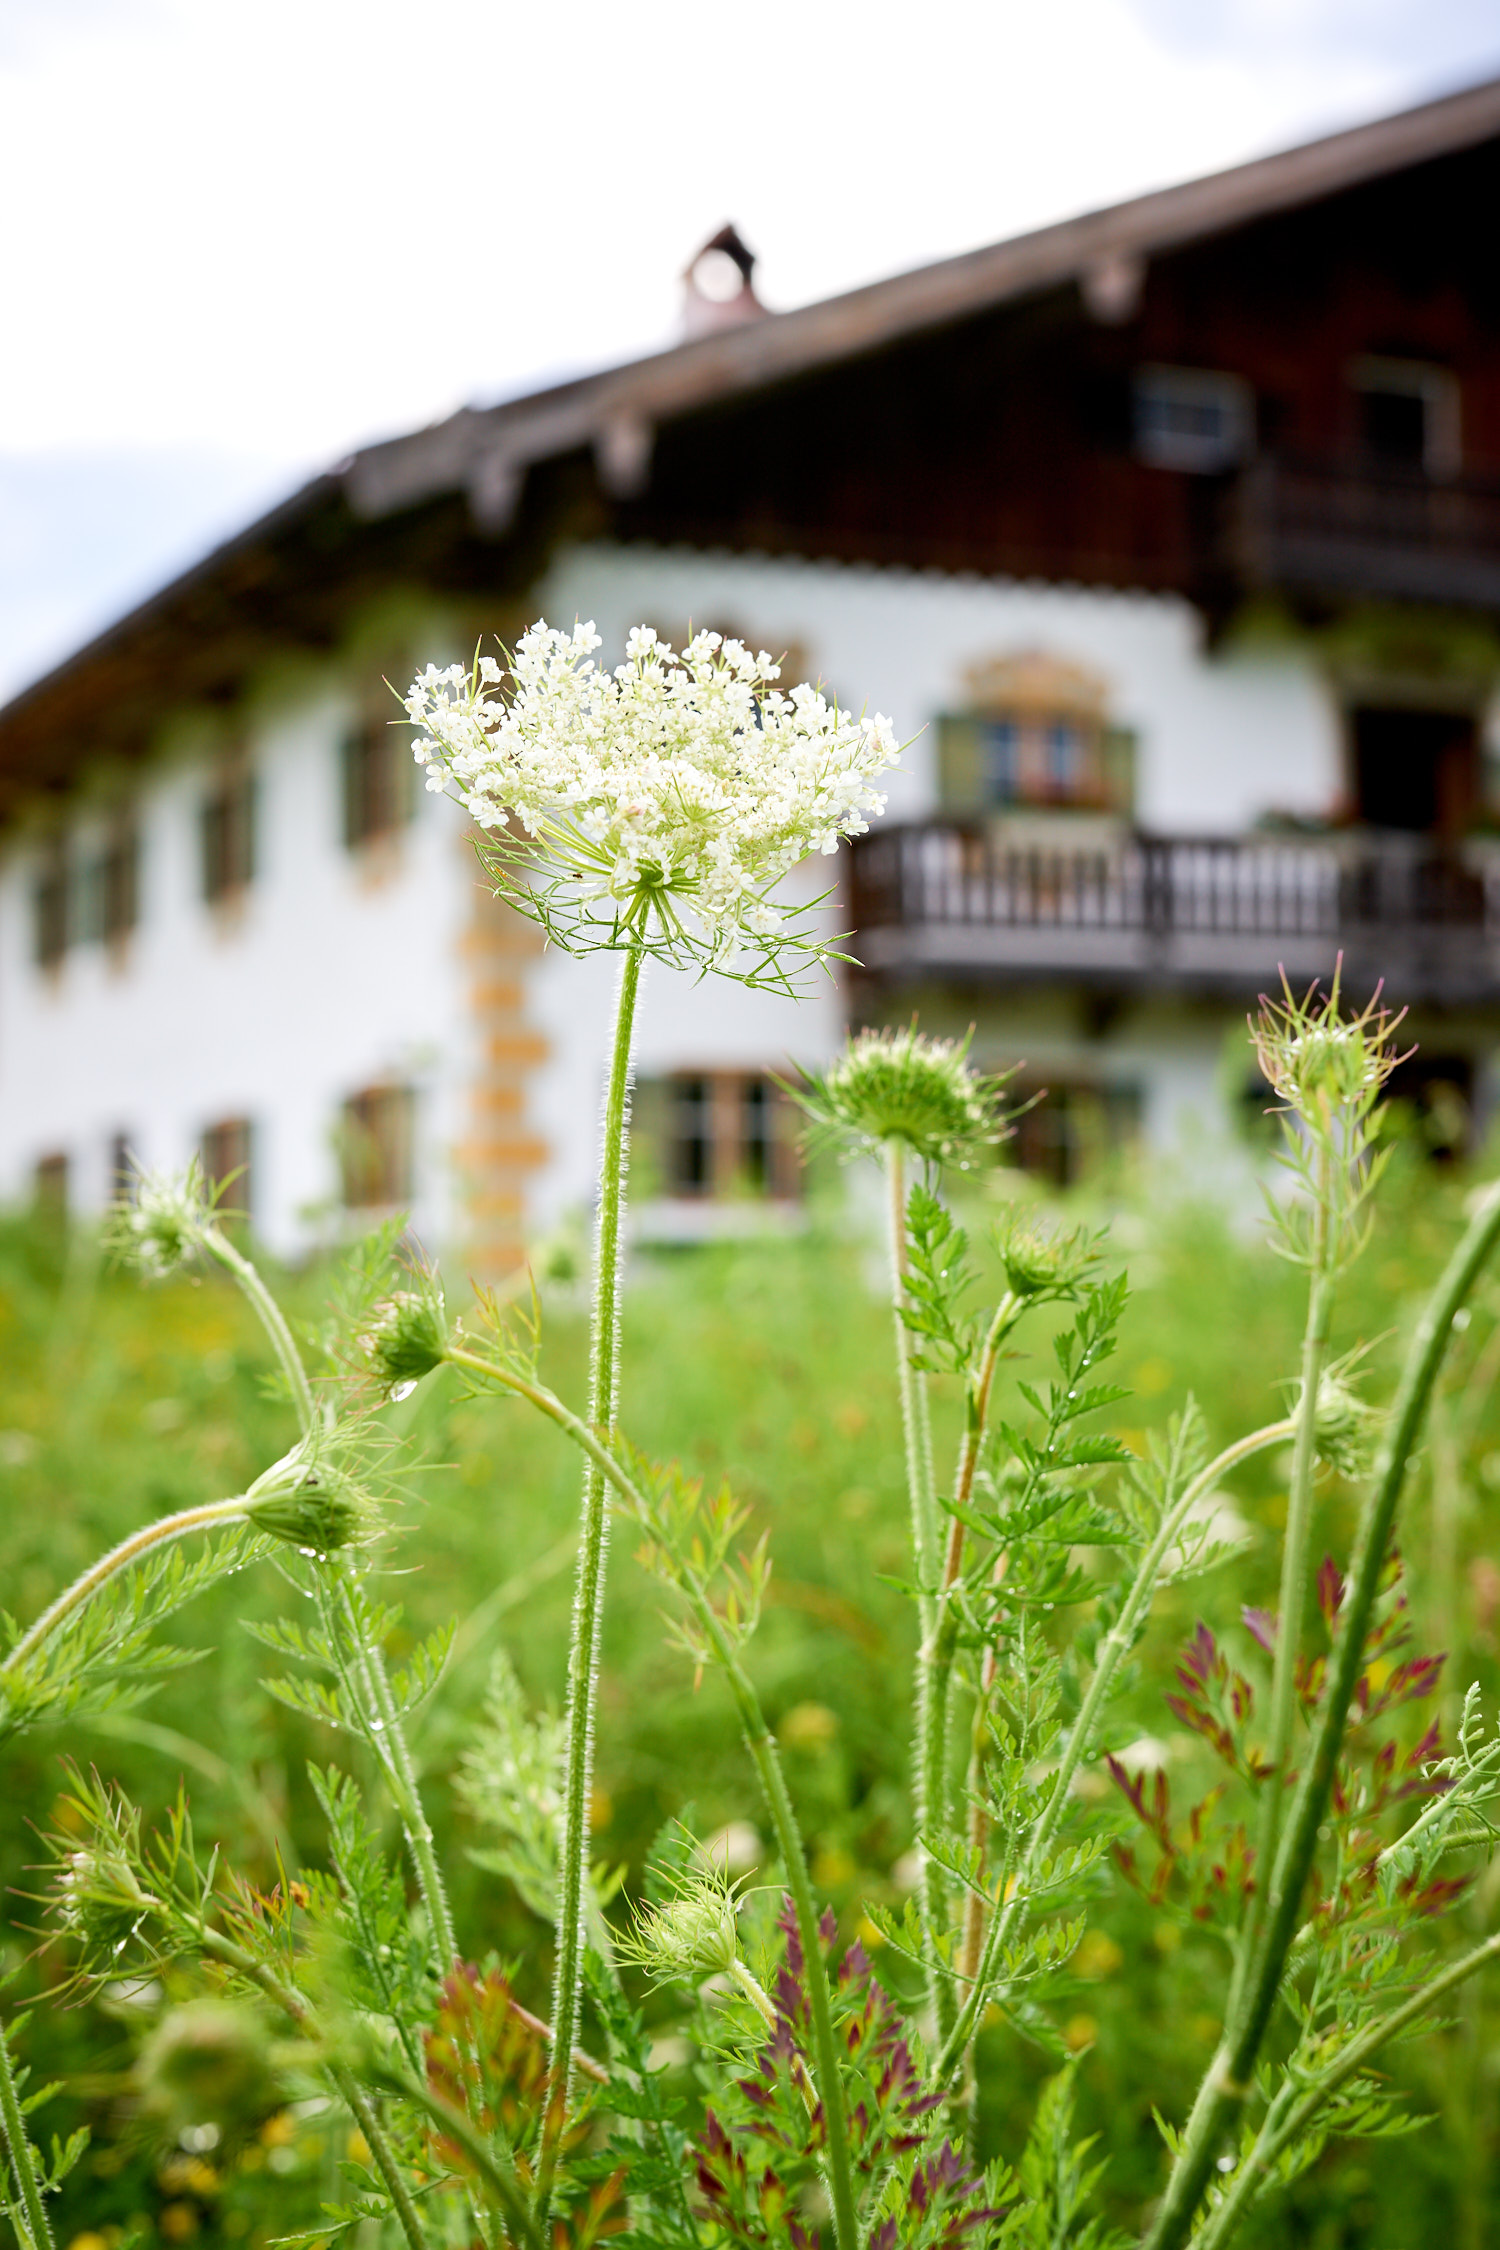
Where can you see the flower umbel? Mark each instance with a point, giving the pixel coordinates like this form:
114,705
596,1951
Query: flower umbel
663,801
901,1086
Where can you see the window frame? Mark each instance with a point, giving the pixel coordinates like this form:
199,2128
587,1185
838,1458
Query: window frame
227,838
1188,452
377,1147
377,782
725,1104
231,1138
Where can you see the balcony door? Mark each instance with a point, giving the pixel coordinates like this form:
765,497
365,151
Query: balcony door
1416,771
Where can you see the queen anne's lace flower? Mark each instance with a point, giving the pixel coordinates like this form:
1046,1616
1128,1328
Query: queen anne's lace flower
664,801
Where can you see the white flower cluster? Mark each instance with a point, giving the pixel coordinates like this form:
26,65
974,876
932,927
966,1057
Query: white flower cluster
675,786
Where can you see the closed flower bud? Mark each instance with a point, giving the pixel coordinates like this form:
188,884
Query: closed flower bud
1345,1429
694,1935
406,1338
98,1898
208,2062
1316,1060
320,1513
900,1086
163,1226
1037,1262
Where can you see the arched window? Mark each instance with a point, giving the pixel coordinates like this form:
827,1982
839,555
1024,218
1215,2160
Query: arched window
1035,732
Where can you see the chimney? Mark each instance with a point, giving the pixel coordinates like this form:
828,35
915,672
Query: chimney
717,289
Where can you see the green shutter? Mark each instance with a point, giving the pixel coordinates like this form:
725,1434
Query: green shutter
960,759
1119,769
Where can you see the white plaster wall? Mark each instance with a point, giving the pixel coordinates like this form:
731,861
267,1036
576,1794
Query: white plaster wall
341,971
333,980
1222,739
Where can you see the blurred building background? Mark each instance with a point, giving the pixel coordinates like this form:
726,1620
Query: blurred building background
1170,536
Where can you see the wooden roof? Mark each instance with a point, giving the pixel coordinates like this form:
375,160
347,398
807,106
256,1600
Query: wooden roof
473,503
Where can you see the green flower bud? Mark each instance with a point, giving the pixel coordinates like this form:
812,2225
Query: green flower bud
162,1227
1036,1260
320,1513
208,2062
694,1935
406,1338
899,1086
1346,1430
1316,1060
99,1899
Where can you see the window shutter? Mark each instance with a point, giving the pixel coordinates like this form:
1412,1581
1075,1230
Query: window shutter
1119,769
960,765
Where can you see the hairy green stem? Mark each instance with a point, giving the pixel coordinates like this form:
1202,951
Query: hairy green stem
761,1744
935,1663
22,2154
1226,2084
502,2189
391,1746
1116,1644
158,1534
401,1777
272,1319
1294,1576
367,2118
916,1426
1287,2121
292,2004
588,1599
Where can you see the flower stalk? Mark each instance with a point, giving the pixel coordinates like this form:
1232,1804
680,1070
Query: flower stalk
588,1598
1227,2083
22,2155
1115,1646
1290,2115
936,1657
1294,1559
766,1757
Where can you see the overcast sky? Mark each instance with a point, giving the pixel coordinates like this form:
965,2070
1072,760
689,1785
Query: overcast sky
240,241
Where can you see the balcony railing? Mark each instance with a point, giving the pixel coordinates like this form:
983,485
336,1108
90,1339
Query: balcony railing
946,900
1319,527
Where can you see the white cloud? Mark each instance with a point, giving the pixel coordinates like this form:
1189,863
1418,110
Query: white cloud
292,226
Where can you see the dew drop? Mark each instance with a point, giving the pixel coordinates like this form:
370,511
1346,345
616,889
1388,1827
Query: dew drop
399,1391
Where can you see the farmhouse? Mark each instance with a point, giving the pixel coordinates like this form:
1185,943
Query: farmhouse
1169,536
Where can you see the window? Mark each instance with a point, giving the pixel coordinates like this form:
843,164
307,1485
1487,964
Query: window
1415,769
376,1147
1189,419
109,889
121,1169
51,1182
378,775
1036,734
227,837
226,1161
724,1133
51,919
1407,415
1073,1128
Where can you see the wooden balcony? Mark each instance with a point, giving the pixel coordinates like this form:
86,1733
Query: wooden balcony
1324,529
943,901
